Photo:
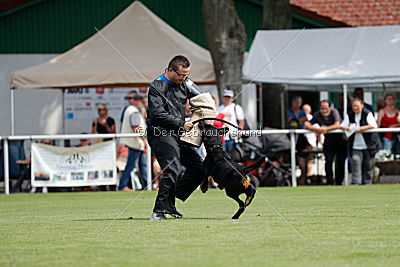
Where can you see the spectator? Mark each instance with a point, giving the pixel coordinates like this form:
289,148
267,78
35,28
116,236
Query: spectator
103,124
141,105
84,142
145,104
341,106
219,124
296,113
328,119
301,145
359,94
307,110
27,173
362,146
232,113
122,157
133,122
388,117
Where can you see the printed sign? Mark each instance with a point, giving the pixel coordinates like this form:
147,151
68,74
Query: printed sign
74,166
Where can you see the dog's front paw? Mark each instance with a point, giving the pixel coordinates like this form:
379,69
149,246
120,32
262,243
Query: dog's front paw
204,186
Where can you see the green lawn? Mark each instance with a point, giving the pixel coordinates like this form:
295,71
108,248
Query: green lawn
341,225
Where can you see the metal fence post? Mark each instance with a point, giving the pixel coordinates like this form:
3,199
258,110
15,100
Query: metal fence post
346,172
6,168
293,157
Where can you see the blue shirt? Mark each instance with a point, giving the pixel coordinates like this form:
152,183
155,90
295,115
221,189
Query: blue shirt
163,78
292,114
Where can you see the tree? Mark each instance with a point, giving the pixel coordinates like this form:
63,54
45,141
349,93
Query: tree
226,40
276,16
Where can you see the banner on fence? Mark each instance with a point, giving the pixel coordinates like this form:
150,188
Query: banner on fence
74,166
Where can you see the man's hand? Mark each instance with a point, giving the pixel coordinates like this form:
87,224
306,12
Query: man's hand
322,130
187,126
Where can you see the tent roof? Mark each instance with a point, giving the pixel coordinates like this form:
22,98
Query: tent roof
143,38
325,56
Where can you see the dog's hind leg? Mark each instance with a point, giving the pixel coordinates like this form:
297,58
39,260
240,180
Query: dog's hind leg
242,207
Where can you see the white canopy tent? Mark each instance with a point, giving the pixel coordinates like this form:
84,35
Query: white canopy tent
326,56
335,56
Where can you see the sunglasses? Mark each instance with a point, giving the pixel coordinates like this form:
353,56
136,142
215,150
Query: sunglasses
100,109
182,76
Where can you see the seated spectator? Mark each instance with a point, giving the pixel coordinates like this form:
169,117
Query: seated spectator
388,117
296,112
103,124
362,146
328,119
84,142
27,173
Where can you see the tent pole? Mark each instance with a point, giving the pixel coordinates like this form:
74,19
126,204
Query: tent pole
63,111
260,105
346,163
6,168
293,157
63,116
12,110
283,107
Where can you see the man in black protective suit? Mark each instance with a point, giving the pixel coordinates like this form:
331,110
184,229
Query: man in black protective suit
165,123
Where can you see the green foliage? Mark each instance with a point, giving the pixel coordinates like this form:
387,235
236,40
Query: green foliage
342,226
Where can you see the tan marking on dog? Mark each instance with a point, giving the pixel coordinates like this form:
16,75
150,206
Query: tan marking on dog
246,182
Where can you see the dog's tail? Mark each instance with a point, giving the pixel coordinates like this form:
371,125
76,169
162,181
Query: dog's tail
254,166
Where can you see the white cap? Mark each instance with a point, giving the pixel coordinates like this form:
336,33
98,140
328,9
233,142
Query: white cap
228,92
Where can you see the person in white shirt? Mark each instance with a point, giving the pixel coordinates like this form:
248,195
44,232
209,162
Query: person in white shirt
362,146
233,113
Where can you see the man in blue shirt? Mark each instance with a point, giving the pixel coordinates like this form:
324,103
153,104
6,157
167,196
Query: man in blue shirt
296,112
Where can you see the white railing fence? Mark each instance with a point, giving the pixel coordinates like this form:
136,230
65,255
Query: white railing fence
291,134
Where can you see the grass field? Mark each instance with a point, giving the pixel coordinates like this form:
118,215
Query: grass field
341,225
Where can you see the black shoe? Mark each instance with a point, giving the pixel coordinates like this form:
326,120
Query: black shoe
157,216
174,213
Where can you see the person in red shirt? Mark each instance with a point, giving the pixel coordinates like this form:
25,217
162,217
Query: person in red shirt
219,124
388,117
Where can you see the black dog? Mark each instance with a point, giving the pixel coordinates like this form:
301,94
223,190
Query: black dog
235,178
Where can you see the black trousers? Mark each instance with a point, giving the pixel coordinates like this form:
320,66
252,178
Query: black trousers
171,155
340,150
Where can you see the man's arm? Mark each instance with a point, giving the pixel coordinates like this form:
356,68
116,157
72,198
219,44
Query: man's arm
331,127
336,118
159,115
302,120
371,123
309,125
137,129
241,124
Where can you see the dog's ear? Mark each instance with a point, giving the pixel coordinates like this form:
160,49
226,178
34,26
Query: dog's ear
223,131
